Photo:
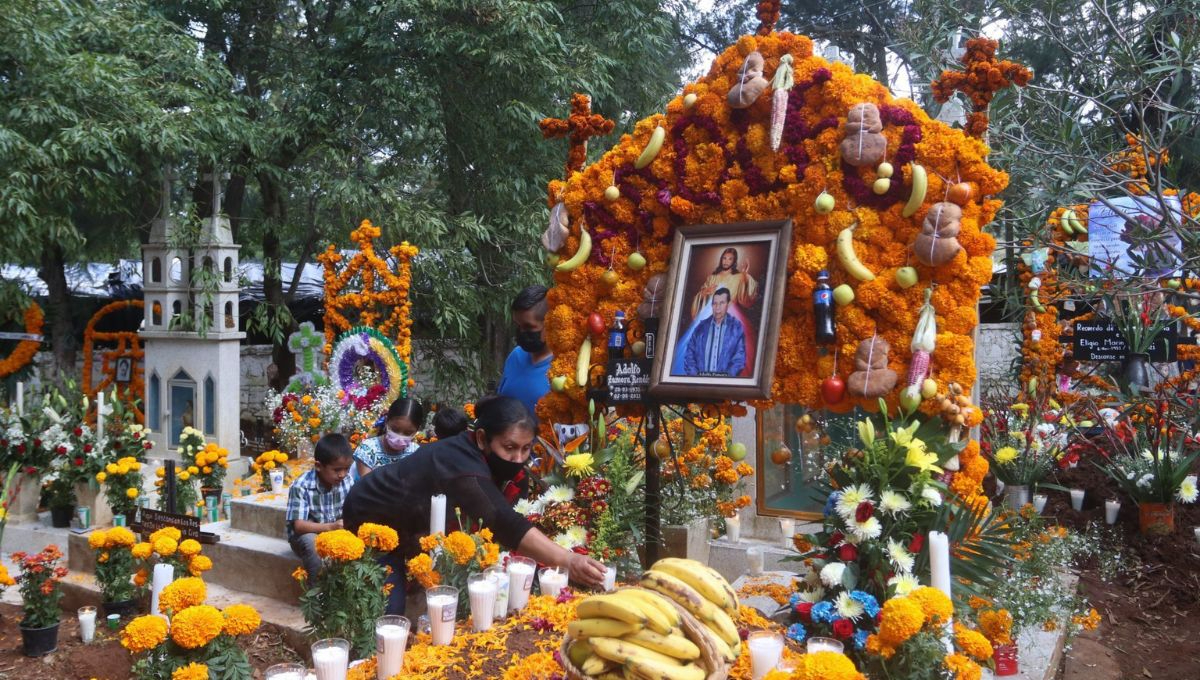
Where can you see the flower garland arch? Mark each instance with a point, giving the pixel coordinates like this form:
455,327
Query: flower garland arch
717,166
370,290
128,346
25,350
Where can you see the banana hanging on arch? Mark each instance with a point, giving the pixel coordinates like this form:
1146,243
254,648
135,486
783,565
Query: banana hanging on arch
580,256
849,259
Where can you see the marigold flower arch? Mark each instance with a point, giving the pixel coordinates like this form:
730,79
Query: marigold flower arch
128,346
717,166
25,350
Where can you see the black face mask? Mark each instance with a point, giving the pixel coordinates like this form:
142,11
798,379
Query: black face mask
502,470
531,341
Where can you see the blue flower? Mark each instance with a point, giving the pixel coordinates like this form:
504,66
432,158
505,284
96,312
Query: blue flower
867,600
797,632
831,501
860,639
823,612
794,600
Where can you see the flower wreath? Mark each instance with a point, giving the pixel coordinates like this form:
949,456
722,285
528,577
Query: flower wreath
25,350
129,346
362,345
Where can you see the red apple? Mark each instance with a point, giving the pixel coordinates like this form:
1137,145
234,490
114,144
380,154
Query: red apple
595,323
833,389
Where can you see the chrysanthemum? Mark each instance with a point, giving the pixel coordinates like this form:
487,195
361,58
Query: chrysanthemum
932,495
578,534
904,583
567,541
579,464
559,493
144,633
241,619
848,607
814,595
197,626
851,497
1187,490
899,556
831,574
1006,454
892,502
868,530
527,507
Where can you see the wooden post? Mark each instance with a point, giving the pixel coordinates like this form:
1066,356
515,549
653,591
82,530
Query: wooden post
169,484
653,465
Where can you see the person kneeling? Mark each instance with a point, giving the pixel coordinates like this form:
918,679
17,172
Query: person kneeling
315,499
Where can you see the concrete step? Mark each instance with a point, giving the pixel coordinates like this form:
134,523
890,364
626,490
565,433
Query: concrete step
32,536
262,513
243,561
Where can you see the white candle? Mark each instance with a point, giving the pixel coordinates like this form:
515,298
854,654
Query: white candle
391,636
163,575
823,644
788,526
754,560
766,649
87,624
610,578
552,581
481,590
100,417
500,578
1039,502
733,528
939,561
1196,531
520,580
1077,499
20,398
286,671
331,658
1111,508
441,604
437,514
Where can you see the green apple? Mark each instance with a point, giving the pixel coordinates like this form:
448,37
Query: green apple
881,185
558,383
928,388
638,348
552,260
906,277
910,399
612,193
1174,284
884,170
824,203
737,452
636,261
843,295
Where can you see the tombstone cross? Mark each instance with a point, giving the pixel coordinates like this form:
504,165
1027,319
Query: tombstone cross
215,178
168,176
304,343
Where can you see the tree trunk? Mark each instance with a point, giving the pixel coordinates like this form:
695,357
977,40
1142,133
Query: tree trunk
276,214
58,303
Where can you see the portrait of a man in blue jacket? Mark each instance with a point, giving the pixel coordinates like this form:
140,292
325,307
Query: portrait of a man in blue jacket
718,345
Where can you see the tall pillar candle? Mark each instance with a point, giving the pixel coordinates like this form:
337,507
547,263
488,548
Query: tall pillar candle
163,575
437,514
1077,499
20,398
1111,508
787,526
733,528
939,561
100,417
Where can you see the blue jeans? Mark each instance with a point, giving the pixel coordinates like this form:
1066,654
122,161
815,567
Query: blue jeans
305,547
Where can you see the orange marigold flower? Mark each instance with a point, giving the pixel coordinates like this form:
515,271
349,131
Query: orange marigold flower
378,537
197,626
460,546
339,545
192,671
144,633
181,594
241,619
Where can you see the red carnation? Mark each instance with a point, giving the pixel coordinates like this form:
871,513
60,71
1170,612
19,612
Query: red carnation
78,432
37,443
804,609
30,470
843,629
78,461
847,553
148,445
836,537
917,542
87,448
21,449
864,511
62,450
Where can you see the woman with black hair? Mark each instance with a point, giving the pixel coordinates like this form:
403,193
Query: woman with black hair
482,473
394,440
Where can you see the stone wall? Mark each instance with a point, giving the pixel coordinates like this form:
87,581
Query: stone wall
996,352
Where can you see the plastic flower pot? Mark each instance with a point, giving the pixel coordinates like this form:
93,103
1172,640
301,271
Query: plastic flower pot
1016,496
60,516
1156,518
39,641
122,608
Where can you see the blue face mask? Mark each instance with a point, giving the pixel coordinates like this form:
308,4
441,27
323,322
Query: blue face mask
397,442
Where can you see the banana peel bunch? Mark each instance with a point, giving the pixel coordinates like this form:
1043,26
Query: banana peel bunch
679,625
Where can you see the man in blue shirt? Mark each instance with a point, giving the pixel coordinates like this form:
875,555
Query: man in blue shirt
718,345
526,369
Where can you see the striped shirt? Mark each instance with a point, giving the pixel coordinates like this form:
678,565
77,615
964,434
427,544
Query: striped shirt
310,500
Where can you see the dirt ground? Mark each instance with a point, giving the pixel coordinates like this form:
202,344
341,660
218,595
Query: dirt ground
1149,606
104,659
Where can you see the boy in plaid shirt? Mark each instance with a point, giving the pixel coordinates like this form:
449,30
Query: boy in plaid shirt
315,499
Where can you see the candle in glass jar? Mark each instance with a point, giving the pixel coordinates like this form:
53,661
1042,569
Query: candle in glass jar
733,528
87,624
788,526
286,671
610,578
552,581
441,602
1111,508
823,644
520,581
1039,502
766,649
1196,531
500,578
754,560
391,637
481,591
331,658
1077,499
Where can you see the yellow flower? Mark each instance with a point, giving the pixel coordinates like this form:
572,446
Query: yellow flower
142,551
100,476
7,580
160,472
241,619
827,666
429,543
189,547
121,537
919,458
165,546
111,468
1006,454
139,579
378,537
192,671
935,606
98,540
962,667
131,492
193,469
184,476
486,534
460,546
491,555
997,626
196,626
339,545
102,557
144,633
179,595
199,564
972,643
901,618
300,575
420,568
579,464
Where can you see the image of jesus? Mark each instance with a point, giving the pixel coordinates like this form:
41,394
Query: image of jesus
733,277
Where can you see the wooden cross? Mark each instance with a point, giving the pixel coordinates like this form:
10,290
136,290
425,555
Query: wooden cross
578,126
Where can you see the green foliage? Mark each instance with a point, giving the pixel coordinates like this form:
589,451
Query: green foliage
619,529
344,600
226,660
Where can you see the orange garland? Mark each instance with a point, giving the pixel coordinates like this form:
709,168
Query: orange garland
648,222
767,12
129,346
983,76
25,350
382,302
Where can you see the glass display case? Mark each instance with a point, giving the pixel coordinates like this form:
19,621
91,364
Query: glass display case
794,444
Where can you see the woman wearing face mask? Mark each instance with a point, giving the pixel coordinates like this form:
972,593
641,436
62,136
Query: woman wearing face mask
405,417
482,473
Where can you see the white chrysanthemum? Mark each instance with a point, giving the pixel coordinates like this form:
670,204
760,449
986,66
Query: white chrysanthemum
931,494
559,493
815,595
527,507
899,556
1187,490
868,530
577,534
893,502
848,607
904,583
831,574
852,495
567,541
1146,480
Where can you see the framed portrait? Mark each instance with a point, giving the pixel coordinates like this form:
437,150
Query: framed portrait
124,369
720,328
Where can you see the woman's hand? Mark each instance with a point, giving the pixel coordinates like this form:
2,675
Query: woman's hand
584,570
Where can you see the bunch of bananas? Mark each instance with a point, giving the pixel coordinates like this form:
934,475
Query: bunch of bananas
704,594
